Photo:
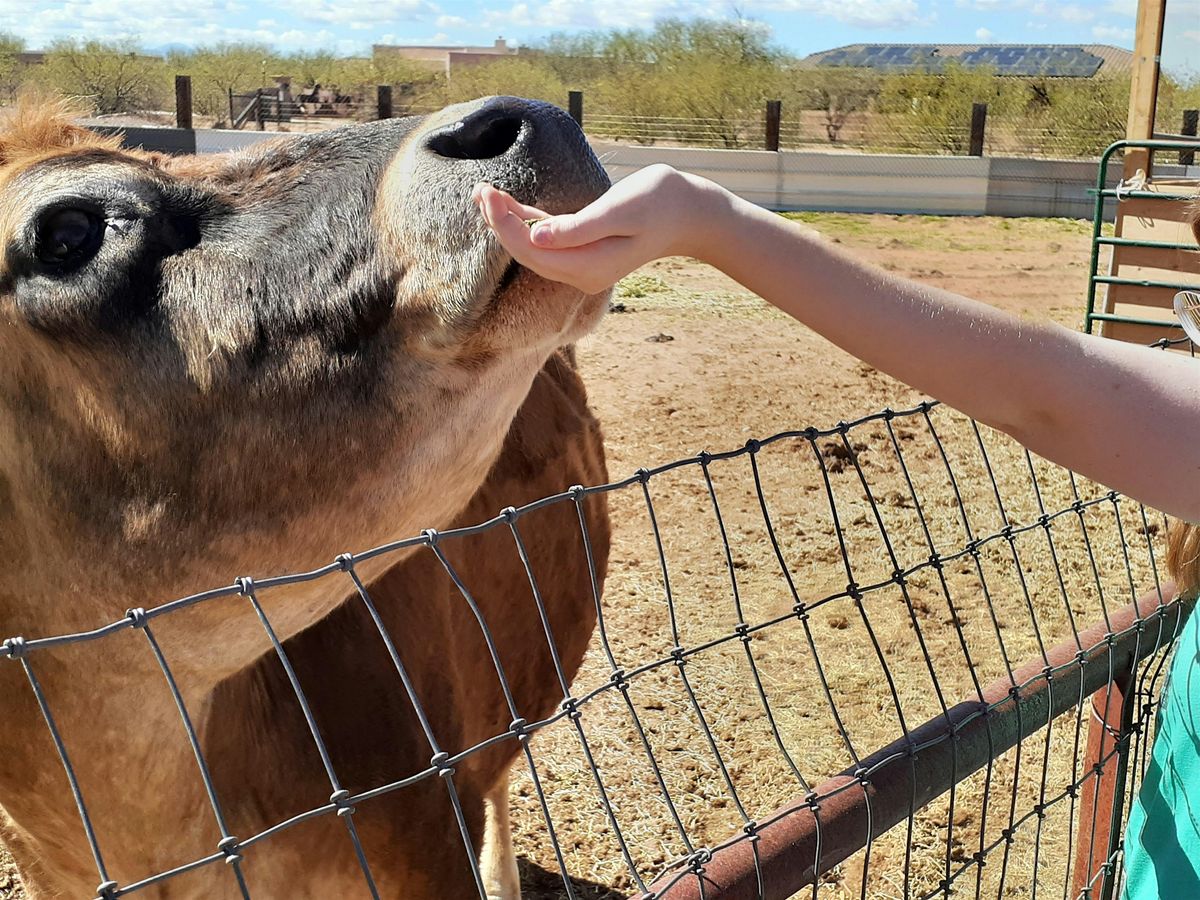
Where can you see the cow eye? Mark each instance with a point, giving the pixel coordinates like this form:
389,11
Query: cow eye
69,237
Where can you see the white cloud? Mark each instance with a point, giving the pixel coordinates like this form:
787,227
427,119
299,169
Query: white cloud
373,12
156,23
1074,14
1122,7
450,22
861,13
1113,34
984,35
552,14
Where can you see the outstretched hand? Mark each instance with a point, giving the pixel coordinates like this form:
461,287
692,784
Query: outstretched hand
649,214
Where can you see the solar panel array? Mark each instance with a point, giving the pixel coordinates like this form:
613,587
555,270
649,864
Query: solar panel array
1052,61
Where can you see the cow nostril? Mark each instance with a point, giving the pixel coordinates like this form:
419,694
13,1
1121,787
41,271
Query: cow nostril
478,137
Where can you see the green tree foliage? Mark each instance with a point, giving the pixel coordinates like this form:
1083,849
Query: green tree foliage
222,68
1081,117
932,110
1175,94
516,76
11,70
718,75
113,77
837,93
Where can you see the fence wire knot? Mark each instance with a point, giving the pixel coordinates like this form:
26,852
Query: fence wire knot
137,617
441,762
345,561
229,846
571,707
107,889
340,800
14,647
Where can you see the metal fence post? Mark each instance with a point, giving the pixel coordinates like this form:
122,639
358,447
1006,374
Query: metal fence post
978,126
575,106
183,101
1102,801
774,114
1191,118
383,101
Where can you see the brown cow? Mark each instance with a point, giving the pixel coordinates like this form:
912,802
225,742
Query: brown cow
245,365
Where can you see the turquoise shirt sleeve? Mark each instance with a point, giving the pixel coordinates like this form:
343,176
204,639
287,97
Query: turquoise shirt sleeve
1162,839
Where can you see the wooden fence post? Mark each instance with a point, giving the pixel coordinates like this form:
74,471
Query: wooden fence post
978,126
1191,118
183,101
575,106
383,101
259,112
774,114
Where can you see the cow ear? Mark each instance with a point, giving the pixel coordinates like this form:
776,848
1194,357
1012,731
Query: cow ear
37,124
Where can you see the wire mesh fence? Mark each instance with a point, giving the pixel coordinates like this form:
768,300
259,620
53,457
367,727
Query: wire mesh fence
861,132
772,616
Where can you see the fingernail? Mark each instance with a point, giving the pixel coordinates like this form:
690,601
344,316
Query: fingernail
540,234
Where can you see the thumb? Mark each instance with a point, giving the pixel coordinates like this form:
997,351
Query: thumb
570,230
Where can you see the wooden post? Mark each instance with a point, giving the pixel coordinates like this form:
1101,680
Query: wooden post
1102,795
1143,88
383,101
259,114
232,114
978,127
183,101
575,106
1191,118
774,114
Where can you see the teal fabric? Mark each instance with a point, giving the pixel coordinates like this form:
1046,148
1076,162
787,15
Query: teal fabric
1162,840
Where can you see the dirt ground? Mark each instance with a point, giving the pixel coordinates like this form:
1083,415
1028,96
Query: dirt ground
689,361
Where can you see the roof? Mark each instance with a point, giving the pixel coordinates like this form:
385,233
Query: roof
1053,60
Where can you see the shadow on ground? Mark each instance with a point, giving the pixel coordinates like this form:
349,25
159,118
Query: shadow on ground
546,884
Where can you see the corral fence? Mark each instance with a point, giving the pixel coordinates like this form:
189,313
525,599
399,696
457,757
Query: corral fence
777,128
899,656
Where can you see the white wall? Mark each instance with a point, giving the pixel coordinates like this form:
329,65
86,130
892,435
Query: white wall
851,182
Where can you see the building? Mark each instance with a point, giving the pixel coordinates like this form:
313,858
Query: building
446,58
1050,60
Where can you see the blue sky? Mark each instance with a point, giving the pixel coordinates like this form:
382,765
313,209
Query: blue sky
803,26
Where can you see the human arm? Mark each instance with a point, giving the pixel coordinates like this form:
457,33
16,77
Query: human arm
1126,416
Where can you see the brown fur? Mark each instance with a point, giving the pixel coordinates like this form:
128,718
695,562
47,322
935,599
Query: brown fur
215,435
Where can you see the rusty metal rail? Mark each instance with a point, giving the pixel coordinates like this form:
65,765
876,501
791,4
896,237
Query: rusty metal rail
794,845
